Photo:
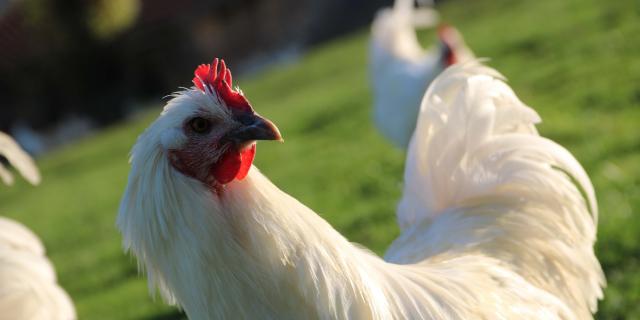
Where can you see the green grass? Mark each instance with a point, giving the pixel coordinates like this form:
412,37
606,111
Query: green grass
575,61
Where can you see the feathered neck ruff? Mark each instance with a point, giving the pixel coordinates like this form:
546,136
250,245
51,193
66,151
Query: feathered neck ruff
211,253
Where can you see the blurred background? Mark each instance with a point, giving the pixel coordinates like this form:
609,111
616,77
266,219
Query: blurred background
80,79
70,66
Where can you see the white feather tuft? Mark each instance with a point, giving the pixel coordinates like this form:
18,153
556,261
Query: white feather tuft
18,159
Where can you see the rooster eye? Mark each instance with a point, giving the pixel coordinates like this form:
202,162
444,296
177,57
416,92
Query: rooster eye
200,125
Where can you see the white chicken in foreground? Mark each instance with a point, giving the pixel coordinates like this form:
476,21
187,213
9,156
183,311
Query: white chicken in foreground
28,285
493,226
401,70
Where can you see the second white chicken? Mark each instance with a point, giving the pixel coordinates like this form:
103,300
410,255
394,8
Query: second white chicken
401,69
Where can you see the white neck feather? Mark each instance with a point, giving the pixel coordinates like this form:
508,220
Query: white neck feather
211,254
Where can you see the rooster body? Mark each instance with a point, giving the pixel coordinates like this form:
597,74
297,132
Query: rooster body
491,227
401,69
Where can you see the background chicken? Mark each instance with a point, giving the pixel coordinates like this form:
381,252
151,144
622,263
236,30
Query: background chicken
19,159
496,221
28,285
400,69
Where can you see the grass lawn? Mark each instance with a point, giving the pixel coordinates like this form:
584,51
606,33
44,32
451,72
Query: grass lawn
577,62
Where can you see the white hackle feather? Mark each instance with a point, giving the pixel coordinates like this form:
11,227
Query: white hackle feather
19,159
400,69
493,225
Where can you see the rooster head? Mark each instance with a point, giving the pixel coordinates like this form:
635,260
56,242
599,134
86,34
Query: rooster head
449,42
209,131
177,212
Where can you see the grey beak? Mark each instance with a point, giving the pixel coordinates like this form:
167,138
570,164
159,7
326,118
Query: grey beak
254,127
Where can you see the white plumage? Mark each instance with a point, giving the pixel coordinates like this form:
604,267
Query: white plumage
18,159
494,224
17,237
28,285
28,288
480,174
400,69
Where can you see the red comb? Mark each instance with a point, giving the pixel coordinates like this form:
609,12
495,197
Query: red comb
219,81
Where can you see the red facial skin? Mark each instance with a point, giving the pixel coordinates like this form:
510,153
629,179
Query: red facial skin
200,159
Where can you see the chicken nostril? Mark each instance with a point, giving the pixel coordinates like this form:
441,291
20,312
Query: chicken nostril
245,118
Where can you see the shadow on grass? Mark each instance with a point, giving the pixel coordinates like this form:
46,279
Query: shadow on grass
170,315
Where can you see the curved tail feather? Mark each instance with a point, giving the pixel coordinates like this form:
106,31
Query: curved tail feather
483,180
19,159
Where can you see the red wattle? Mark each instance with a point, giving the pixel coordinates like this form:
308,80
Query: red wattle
227,167
247,156
234,164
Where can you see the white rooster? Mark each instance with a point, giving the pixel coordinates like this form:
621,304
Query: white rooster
497,222
401,69
28,285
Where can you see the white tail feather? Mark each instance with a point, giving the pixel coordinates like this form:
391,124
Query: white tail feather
480,175
421,17
18,159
